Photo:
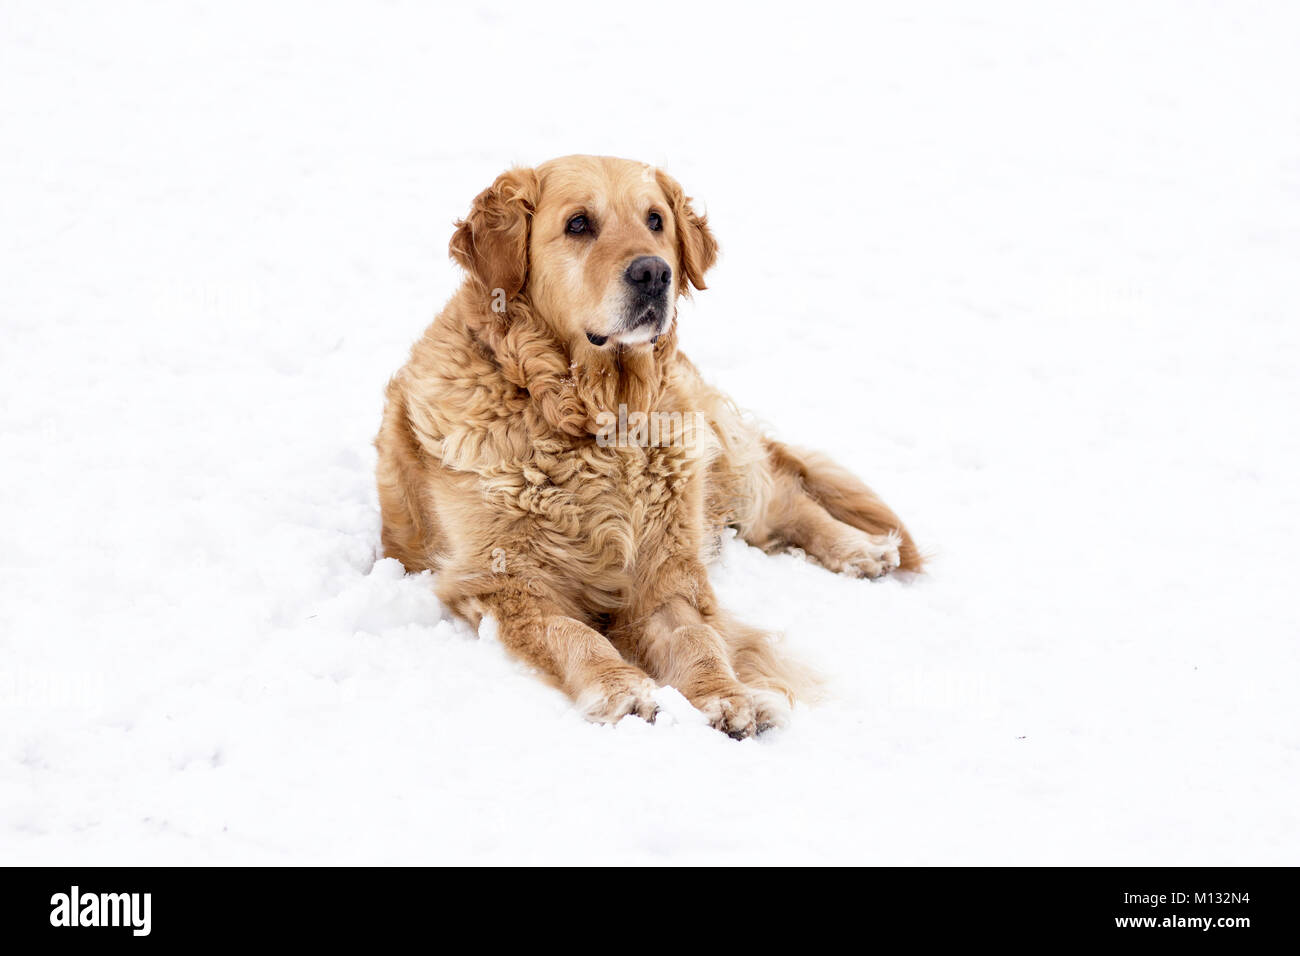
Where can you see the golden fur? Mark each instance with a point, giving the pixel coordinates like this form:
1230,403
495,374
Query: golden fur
590,554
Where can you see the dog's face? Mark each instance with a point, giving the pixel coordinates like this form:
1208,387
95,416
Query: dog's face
602,247
603,250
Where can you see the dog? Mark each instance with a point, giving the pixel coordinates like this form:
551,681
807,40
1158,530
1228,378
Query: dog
565,470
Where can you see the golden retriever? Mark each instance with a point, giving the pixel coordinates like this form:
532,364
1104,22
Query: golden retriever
565,470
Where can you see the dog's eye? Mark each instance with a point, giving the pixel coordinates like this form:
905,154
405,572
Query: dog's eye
576,226
654,221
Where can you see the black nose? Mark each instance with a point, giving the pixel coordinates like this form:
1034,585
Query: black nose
649,275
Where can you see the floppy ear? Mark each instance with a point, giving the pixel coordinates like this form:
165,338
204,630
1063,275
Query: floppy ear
697,250
492,241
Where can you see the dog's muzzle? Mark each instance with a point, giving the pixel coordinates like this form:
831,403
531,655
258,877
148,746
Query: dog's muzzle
644,313
648,280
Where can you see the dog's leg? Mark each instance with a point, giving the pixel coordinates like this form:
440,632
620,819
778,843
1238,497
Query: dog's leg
677,646
679,635
838,521
580,660
800,522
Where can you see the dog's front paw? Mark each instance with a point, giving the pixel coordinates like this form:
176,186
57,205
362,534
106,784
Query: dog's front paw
732,712
770,710
620,694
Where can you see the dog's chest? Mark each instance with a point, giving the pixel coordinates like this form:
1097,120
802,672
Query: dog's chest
598,510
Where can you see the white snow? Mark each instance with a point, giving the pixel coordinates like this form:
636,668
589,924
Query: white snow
1030,269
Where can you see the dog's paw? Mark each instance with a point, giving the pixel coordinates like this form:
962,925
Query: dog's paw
770,710
732,712
617,696
872,555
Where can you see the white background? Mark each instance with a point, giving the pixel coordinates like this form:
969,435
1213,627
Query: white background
1029,269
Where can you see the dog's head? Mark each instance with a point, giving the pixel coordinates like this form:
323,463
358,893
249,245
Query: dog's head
602,247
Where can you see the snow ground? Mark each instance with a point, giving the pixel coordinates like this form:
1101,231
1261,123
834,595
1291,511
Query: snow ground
1031,272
